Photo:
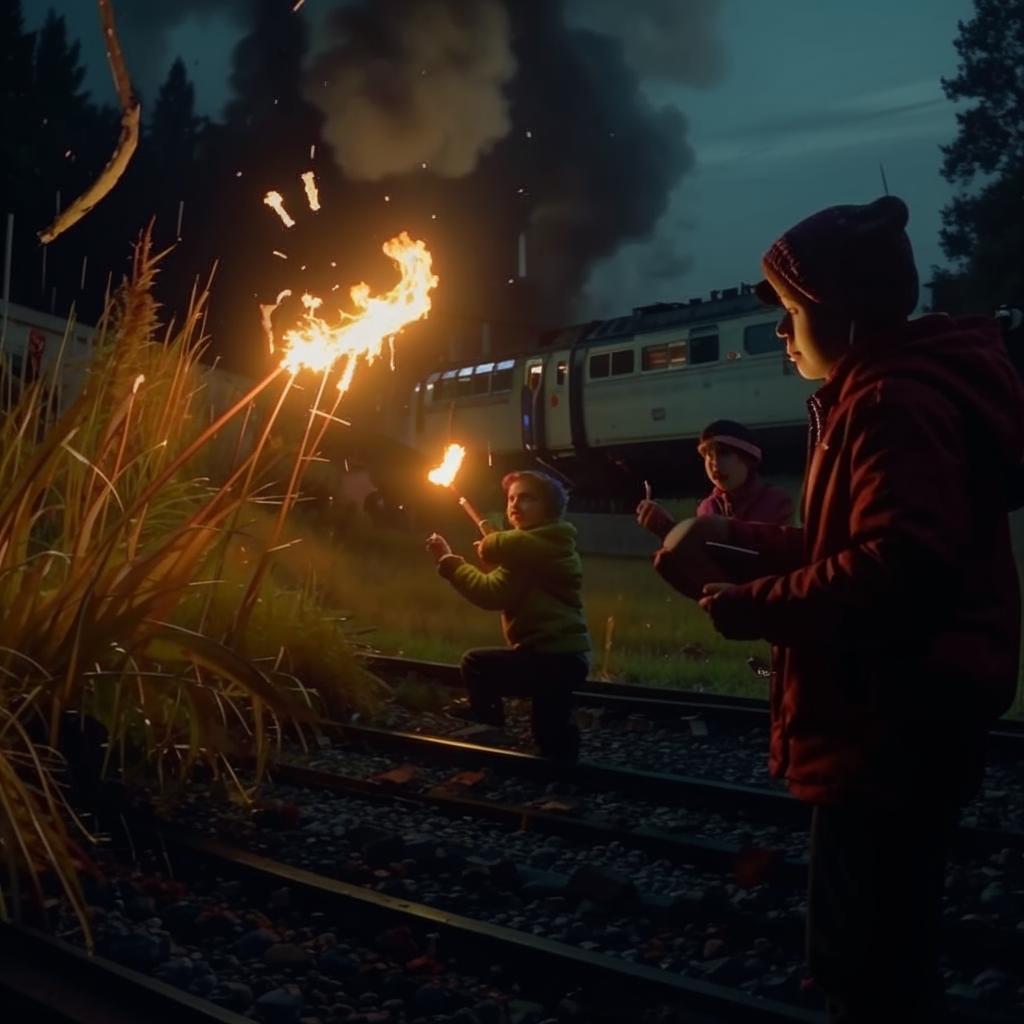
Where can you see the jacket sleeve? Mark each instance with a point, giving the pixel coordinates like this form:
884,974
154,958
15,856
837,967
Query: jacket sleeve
492,591
781,547
909,533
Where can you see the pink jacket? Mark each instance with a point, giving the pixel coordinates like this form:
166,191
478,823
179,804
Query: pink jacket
755,502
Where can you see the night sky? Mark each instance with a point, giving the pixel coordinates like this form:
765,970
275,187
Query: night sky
791,106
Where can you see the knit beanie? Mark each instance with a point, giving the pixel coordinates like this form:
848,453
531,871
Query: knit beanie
732,435
855,259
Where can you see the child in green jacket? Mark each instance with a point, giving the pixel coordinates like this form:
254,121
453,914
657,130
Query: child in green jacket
534,578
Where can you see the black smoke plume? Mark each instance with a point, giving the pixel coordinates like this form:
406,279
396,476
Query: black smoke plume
507,119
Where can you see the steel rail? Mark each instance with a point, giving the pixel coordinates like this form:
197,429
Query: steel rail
550,966
1006,736
44,980
752,803
677,847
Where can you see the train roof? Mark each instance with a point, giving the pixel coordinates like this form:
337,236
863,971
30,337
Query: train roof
727,304
722,305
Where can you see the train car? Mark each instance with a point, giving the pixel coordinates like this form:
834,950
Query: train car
32,342
617,399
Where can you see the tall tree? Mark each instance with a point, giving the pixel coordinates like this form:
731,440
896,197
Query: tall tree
175,129
983,226
16,145
65,119
15,97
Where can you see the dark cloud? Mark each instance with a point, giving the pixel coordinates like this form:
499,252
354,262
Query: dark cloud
674,40
548,123
423,83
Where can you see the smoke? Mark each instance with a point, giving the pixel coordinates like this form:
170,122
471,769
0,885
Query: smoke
606,159
484,120
538,108
672,40
420,84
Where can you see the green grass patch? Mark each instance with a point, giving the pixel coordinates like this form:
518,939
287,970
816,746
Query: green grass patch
642,631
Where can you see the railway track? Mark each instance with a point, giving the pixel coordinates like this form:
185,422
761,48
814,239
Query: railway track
655,702
46,981
743,802
611,989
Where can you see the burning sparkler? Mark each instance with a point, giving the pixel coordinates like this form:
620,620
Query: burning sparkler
444,476
317,345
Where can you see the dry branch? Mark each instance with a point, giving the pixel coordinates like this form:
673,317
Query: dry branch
127,143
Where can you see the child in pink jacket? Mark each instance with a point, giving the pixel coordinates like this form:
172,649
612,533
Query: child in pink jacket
732,458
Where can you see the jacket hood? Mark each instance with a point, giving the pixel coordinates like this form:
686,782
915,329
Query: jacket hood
963,359
559,533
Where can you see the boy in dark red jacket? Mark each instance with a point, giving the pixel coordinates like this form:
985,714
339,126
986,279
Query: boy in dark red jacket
895,611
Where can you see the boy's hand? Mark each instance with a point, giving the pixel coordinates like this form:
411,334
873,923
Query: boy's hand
486,528
651,516
478,547
723,613
438,546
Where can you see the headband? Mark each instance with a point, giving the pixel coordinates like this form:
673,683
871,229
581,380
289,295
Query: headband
732,442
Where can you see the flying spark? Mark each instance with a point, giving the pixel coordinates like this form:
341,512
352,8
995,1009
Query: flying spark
276,203
312,193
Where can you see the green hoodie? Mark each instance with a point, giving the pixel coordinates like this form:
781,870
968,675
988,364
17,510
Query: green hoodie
535,585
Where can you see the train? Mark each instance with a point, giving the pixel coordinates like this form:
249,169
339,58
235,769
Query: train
604,404
607,403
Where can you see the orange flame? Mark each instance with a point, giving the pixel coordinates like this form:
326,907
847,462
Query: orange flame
276,203
444,475
317,345
312,193
267,310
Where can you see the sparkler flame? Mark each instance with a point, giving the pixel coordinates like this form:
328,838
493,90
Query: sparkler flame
444,475
317,345
312,192
276,203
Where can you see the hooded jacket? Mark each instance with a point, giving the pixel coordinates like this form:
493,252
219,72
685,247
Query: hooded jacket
535,584
895,611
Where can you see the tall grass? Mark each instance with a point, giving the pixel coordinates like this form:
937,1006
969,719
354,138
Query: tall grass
108,534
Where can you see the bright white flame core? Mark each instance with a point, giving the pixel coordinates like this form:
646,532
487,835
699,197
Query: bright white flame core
317,345
444,475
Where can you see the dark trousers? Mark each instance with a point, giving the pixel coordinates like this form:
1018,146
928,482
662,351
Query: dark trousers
873,914
491,673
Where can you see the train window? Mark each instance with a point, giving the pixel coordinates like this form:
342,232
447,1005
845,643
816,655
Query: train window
622,362
704,349
464,387
501,379
654,357
534,375
482,378
663,357
561,367
600,365
445,389
677,355
761,338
